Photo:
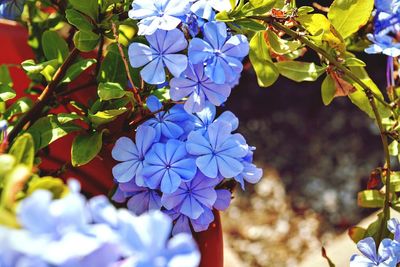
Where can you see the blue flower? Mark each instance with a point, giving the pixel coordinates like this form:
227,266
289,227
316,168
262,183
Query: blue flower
206,117
370,256
10,9
383,44
132,155
394,227
162,53
158,14
196,197
167,165
205,8
199,88
220,53
140,199
74,232
57,233
388,6
169,124
250,173
219,152
147,237
183,222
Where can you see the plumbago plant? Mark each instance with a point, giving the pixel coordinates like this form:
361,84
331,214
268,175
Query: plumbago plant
160,69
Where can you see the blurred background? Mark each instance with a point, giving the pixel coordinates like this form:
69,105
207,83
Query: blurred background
315,160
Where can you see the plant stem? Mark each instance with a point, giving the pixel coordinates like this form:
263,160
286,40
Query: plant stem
371,97
45,96
121,51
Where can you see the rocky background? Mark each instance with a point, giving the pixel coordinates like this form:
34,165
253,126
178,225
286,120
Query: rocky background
315,160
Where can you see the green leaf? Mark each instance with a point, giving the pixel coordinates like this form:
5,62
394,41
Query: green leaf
304,10
360,99
267,73
54,47
317,23
85,148
102,117
23,149
257,7
14,183
5,77
55,185
394,181
348,16
356,233
354,62
328,90
79,20
108,91
299,71
88,7
370,199
51,128
7,163
22,105
112,68
76,69
250,24
86,41
280,46
6,92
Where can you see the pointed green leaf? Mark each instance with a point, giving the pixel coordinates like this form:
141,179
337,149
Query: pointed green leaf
85,148
108,91
79,20
76,69
261,61
299,71
328,90
54,47
23,149
348,16
371,199
86,41
88,7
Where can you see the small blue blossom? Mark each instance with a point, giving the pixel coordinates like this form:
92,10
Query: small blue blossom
147,237
162,52
250,173
206,9
169,124
199,89
167,165
195,197
132,155
220,53
206,117
219,152
183,222
158,14
74,232
10,9
383,44
140,199
370,257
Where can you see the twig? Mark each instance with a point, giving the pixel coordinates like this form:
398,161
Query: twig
121,51
45,96
99,55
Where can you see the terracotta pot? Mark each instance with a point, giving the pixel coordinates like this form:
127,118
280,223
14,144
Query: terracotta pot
95,177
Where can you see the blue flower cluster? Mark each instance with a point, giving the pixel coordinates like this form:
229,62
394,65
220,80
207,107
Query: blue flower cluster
386,25
181,156
388,253
177,161
73,232
213,62
10,9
